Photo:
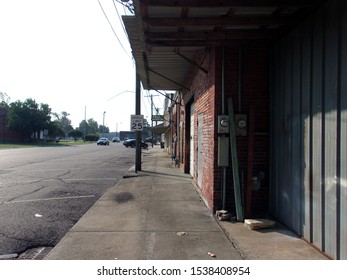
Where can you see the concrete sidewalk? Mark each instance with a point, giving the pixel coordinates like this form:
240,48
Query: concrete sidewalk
159,215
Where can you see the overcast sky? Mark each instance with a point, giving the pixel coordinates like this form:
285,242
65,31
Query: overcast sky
65,54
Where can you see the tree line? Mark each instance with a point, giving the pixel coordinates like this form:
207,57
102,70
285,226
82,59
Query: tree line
29,119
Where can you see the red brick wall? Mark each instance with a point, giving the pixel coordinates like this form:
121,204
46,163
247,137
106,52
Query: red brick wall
202,94
204,87
255,91
205,92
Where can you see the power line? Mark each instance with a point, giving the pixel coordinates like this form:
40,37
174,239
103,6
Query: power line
167,97
114,32
129,5
145,103
119,94
162,100
120,19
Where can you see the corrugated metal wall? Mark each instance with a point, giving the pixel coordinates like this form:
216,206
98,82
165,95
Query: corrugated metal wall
309,130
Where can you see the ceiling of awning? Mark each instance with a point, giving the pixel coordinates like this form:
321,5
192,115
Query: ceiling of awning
159,129
165,34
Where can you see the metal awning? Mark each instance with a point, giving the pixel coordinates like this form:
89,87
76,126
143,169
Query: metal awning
166,34
159,129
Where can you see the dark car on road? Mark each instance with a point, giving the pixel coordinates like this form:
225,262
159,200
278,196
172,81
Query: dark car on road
116,139
103,141
150,140
132,143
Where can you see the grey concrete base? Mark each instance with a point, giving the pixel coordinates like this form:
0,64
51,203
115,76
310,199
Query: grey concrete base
276,243
144,246
159,215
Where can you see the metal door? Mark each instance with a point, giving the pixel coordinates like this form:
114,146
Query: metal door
191,166
200,148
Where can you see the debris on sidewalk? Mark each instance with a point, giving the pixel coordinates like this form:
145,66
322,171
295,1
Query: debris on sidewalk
38,215
181,233
223,215
253,224
211,255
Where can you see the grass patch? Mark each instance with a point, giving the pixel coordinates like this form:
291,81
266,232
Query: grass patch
43,144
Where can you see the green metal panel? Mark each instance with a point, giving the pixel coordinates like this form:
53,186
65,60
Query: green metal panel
235,162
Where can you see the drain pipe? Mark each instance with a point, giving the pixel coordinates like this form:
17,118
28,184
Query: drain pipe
224,169
239,91
223,92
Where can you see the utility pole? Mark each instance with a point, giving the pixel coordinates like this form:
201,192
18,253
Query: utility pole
138,133
152,118
103,124
85,123
152,105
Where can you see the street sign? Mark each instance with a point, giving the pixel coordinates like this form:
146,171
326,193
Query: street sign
136,122
158,118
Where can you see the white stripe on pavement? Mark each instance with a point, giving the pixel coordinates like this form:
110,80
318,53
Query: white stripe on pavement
47,199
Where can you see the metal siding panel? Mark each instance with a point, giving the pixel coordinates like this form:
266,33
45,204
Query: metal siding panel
343,138
287,184
280,136
297,160
343,170
317,135
306,119
330,119
306,77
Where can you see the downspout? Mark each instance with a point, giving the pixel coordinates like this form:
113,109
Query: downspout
239,91
223,93
224,169
239,95
178,131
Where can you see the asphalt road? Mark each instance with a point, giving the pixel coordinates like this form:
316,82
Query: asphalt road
45,191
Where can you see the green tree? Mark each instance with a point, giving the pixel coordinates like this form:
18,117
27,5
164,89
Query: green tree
4,100
103,129
28,117
63,122
89,127
93,126
75,134
54,130
83,127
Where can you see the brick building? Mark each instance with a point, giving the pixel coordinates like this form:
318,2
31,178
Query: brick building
275,72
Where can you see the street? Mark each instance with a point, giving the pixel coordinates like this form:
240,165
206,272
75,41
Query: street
45,191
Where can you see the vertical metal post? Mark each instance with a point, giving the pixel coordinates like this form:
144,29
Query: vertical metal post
138,133
152,119
248,201
224,169
235,162
103,124
3,127
85,123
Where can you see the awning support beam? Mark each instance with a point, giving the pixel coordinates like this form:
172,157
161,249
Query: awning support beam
191,62
172,100
172,81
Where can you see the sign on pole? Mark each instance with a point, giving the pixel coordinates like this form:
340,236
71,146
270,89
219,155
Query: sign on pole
158,118
136,122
